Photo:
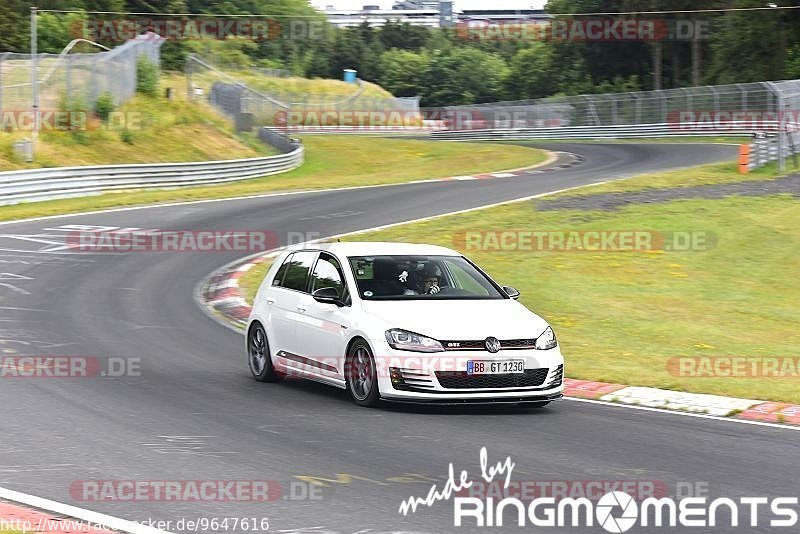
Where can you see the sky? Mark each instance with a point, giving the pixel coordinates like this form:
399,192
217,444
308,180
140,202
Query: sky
458,4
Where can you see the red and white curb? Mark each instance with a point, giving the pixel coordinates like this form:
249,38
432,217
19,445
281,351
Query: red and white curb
222,294
698,403
21,511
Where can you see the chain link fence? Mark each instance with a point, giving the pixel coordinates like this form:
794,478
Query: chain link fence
74,79
788,138
250,107
739,109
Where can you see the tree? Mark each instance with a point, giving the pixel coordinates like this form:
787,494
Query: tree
595,62
747,46
465,76
404,36
531,73
54,31
403,72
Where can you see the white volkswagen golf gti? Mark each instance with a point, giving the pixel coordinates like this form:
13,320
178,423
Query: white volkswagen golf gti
403,323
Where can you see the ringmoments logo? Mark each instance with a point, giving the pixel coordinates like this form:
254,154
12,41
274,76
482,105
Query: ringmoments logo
618,511
615,511
605,511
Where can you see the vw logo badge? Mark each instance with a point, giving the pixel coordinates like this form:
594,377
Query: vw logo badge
492,344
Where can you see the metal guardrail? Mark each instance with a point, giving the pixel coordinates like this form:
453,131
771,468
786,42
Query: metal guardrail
67,182
665,113
766,147
605,132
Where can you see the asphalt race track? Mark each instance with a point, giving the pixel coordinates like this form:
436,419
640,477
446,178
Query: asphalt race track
195,413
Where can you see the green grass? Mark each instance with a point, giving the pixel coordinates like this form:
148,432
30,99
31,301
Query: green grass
620,316
251,280
314,89
164,131
715,173
331,161
309,87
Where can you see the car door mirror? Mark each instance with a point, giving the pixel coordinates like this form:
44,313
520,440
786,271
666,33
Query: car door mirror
327,295
511,292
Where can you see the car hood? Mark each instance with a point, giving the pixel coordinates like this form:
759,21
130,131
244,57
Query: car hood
459,319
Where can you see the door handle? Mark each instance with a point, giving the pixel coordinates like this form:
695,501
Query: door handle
270,300
302,308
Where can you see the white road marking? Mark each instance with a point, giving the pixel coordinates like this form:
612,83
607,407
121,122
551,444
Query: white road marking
111,522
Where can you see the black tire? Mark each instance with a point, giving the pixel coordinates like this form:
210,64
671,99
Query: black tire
361,376
259,358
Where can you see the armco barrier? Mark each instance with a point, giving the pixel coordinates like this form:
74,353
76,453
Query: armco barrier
66,182
605,132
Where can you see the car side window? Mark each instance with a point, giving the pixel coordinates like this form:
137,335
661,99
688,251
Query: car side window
328,273
297,271
278,280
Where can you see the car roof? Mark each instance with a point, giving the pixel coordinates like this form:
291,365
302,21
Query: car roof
380,248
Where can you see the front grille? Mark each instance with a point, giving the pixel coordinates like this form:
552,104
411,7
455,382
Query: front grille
461,380
480,344
518,344
464,345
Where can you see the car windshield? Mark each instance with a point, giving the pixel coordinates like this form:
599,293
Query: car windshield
421,277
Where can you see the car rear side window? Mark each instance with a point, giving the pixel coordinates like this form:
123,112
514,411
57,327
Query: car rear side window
278,280
297,270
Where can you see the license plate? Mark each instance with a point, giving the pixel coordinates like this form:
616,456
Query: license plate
495,367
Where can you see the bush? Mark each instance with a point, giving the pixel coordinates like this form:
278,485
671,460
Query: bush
104,105
126,136
146,77
77,128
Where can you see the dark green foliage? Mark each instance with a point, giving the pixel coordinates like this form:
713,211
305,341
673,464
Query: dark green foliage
443,68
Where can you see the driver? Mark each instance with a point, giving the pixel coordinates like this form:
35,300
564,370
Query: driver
428,280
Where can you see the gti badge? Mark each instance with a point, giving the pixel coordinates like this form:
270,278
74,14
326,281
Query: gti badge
492,344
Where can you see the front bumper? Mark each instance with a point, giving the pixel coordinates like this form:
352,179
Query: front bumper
428,377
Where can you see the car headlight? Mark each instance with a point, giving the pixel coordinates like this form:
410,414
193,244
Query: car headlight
547,340
404,340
